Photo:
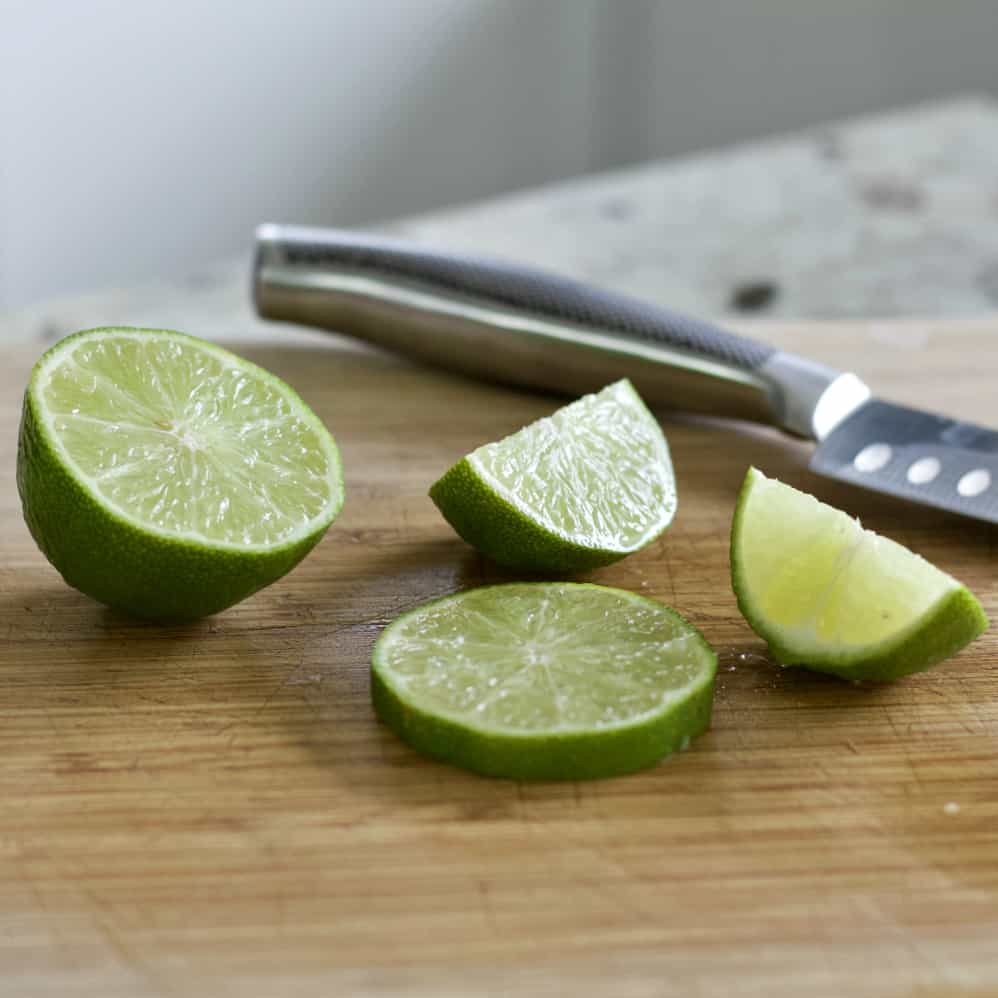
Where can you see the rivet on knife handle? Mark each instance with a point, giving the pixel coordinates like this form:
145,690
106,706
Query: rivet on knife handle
519,325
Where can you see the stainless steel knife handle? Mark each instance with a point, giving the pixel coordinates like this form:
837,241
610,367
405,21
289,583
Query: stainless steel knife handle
515,324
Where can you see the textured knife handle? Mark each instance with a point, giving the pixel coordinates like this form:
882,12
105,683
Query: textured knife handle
499,283
504,322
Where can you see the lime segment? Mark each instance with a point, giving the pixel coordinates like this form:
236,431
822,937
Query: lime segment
827,594
168,477
544,680
581,488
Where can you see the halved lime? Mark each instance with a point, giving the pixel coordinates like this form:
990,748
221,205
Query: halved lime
167,477
544,680
578,489
828,595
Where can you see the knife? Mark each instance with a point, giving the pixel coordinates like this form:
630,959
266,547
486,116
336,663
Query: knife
518,325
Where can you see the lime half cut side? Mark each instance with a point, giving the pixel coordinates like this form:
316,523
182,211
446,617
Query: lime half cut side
581,488
827,594
168,477
544,680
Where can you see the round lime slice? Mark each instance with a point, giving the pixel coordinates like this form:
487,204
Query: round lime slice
167,477
831,596
544,680
578,489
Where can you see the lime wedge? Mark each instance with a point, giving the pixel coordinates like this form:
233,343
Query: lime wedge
581,488
828,595
544,680
167,477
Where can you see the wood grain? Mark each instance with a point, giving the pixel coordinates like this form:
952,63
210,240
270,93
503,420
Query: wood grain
213,809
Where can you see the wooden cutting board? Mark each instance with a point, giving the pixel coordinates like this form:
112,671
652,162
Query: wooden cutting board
212,809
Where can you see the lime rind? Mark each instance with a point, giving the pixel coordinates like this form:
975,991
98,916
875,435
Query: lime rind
493,525
580,489
943,616
540,746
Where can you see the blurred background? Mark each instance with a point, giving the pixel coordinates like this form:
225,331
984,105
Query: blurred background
141,140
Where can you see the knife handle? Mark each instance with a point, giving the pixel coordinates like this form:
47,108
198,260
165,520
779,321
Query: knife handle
519,325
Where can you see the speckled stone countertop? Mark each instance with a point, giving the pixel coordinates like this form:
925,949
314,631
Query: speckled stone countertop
890,215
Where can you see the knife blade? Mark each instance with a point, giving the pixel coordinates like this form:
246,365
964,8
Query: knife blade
510,323
915,455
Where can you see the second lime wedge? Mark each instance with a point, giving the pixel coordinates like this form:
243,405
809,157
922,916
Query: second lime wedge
831,596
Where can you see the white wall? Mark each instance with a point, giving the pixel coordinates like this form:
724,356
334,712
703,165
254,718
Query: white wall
143,137
694,74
